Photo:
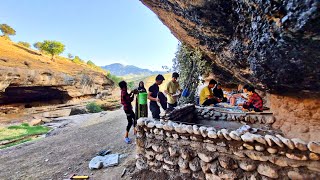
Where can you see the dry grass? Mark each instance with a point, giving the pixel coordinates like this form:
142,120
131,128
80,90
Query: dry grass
151,79
13,55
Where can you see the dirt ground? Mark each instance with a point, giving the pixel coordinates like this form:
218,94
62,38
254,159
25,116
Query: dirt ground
70,149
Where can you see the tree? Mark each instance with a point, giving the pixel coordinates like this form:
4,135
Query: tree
52,47
70,56
25,44
37,45
191,65
7,30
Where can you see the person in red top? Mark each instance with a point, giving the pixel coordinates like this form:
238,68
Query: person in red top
255,101
126,100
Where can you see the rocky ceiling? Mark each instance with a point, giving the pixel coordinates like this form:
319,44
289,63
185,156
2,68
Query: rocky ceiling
273,44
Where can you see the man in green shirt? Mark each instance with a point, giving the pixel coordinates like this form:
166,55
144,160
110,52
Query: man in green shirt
173,91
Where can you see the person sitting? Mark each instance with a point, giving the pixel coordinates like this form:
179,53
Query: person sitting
255,101
206,96
218,92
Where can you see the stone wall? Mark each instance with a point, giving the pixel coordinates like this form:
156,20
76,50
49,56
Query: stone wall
204,152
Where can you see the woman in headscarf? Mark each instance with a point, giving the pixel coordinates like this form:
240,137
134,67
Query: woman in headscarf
141,110
141,87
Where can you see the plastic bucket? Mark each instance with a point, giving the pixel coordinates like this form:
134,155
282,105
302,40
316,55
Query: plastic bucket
142,98
185,92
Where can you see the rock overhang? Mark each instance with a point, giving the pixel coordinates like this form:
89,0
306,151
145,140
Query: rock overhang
272,44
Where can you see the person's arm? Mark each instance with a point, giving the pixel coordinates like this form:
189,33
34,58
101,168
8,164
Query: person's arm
152,98
167,90
131,96
207,93
246,104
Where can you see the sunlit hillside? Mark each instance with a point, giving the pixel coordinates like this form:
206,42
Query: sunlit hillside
151,79
17,56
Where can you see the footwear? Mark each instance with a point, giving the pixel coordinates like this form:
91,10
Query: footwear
127,140
103,152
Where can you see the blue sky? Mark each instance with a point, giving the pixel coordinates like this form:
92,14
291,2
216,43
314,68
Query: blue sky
103,31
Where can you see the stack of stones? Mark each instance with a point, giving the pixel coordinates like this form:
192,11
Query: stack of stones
211,113
206,153
179,112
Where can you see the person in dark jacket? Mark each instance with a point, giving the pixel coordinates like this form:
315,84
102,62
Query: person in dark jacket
218,92
126,100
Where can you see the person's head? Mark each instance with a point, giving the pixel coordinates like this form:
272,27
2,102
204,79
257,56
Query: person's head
123,85
175,76
218,86
212,83
248,89
159,79
141,84
240,87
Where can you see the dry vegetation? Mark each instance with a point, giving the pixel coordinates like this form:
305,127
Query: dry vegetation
151,79
17,56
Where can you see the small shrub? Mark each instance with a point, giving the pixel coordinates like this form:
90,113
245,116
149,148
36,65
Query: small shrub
25,44
77,60
94,107
25,124
114,78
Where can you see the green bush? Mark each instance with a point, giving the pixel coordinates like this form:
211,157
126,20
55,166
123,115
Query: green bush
25,44
131,85
90,63
77,60
114,78
94,107
37,45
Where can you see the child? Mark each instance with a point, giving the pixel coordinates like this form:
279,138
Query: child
255,101
126,100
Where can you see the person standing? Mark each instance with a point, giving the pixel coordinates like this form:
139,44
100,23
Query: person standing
153,97
141,110
171,91
126,100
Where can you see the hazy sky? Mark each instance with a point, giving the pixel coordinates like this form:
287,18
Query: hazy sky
103,31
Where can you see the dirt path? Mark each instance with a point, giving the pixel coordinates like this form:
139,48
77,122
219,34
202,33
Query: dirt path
70,150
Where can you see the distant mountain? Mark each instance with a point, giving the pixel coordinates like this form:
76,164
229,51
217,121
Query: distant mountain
123,70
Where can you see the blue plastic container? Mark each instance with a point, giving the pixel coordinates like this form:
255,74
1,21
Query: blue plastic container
185,92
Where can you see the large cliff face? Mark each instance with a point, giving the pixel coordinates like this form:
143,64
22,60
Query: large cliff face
21,85
274,44
27,76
